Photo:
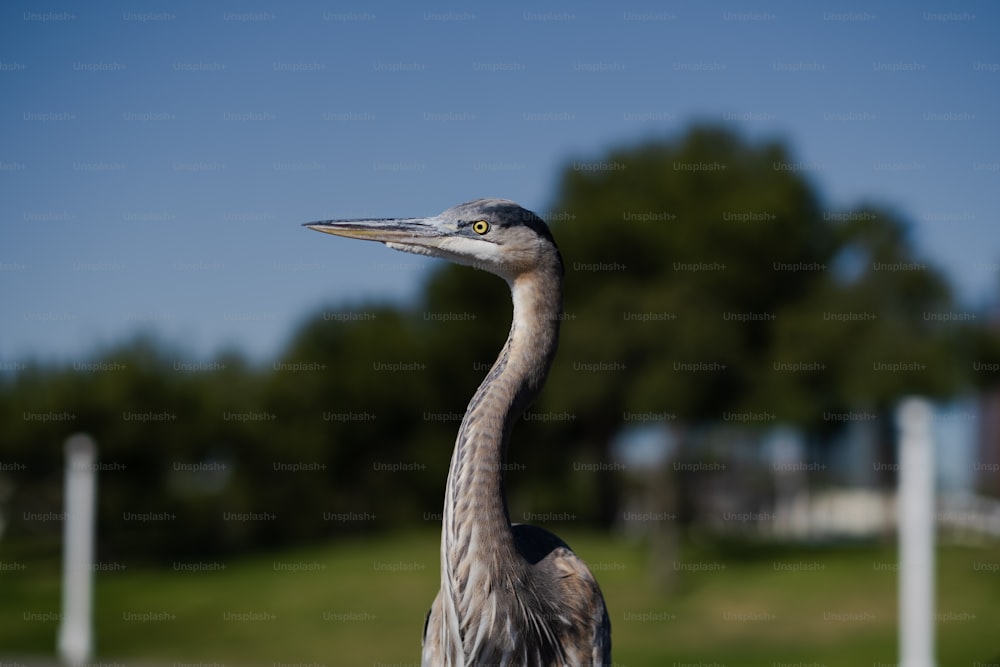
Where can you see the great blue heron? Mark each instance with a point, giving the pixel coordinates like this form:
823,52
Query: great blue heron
510,594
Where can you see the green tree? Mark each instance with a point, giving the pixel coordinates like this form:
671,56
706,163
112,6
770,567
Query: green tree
706,281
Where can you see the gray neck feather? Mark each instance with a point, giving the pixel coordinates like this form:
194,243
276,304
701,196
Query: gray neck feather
477,546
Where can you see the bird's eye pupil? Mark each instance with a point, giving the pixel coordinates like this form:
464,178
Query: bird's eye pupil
480,226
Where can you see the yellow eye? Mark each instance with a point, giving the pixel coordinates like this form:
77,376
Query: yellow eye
480,227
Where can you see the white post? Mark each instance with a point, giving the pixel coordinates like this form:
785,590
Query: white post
75,631
915,509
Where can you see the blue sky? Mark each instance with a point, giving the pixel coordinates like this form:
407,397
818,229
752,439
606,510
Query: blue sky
157,158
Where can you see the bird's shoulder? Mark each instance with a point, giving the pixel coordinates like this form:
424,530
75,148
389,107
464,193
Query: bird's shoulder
586,628
548,552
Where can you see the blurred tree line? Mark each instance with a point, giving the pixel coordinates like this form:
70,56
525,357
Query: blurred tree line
706,281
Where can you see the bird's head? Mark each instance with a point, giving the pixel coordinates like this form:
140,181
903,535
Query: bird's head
494,235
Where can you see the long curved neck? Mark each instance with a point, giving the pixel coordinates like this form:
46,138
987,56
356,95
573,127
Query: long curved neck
476,540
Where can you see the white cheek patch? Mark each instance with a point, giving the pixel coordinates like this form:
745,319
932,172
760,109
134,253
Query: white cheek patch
472,252
463,250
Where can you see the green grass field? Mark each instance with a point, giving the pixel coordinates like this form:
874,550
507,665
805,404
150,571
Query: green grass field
363,601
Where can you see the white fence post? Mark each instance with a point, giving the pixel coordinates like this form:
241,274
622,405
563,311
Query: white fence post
915,509
75,642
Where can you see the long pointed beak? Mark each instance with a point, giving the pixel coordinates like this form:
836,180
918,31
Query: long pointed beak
405,231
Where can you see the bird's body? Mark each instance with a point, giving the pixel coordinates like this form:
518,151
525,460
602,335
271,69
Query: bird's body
510,594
